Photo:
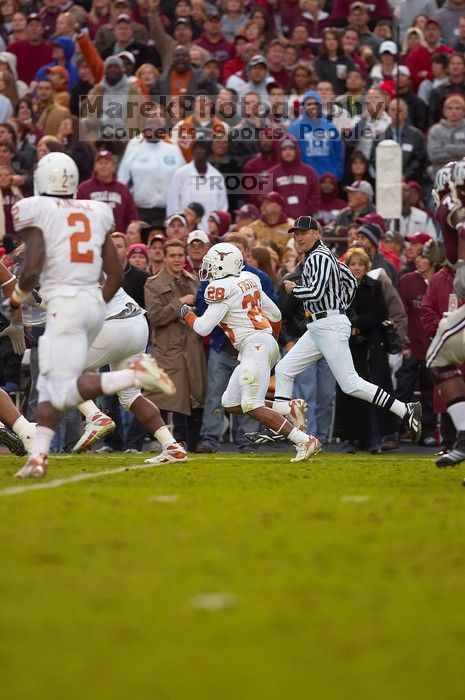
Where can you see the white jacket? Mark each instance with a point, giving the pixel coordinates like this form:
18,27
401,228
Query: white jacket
187,185
147,169
418,220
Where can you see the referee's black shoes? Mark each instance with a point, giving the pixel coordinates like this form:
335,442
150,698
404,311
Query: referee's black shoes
413,418
456,454
266,436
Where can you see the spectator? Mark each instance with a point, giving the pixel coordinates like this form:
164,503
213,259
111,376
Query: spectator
49,144
245,135
448,17
351,46
275,61
360,201
176,227
387,66
9,195
212,40
246,215
32,52
233,18
106,35
181,78
279,117
363,425
193,214
319,140
454,84
197,245
266,159
414,38
178,351
79,151
243,53
201,123
80,91
198,181
8,61
413,372
343,10
125,41
330,204
98,16
358,16
335,113
391,246
18,28
413,219
439,76
62,55
156,256
415,245
370,235
255,80
49,114
353,98
316,21
419,60
301,82
418,113
459,44
446,139
333,64
148,165
410,139
134,279
273,224
372,123
296,182
218,225
138,256
301,39
104,187
409,10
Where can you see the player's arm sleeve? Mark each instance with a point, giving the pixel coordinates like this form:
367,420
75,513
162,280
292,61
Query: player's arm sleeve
203,325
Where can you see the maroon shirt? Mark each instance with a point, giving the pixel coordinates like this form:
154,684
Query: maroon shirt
221,50
412,288
30,57
261,163
281,77
116,195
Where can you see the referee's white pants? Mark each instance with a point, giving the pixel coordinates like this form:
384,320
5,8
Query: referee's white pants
329,338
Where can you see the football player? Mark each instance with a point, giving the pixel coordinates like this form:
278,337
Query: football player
68,245
447,210
251,321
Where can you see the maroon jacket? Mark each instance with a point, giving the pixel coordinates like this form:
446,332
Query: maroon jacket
435,300
261,163
330,204
116,195
30,58
412,288
341,9
298,184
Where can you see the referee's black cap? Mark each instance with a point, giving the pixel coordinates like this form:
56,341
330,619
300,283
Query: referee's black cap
305,223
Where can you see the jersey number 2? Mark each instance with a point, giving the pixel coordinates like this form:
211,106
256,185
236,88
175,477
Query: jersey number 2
252,303
82,235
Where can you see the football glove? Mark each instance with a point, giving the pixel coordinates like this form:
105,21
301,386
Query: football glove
185,310
15,332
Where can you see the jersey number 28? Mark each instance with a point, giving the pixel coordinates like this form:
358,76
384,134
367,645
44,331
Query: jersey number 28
81,235
255,314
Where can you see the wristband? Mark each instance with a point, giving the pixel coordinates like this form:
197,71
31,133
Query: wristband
18,296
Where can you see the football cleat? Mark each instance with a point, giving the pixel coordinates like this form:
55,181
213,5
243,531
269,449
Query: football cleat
35,467
413,418
298,414
12,441
148,375
307,449
266,436
172,453
97,428
456,454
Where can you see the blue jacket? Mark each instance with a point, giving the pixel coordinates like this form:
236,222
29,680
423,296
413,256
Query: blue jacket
319,140
68,47
217,336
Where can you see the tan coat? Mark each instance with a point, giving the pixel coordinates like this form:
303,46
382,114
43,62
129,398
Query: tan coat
51,117
277,233
176,347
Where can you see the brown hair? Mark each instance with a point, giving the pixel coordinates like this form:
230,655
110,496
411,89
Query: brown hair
263,259
173,243
9,90
239,239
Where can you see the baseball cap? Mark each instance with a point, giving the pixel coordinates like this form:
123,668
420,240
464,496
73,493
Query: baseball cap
287,143
274,197
305,223
387,86
123,18
361,186
372,219
247,211
183,20
434,251
212,12
140,248
257,60
420,237
58,70
403,70
172,218
431,20
34,17
360,5
388,47
394,237
128,55
197,235
372,231
103,153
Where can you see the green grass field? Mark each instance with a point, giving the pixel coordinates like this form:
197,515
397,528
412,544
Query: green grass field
234,577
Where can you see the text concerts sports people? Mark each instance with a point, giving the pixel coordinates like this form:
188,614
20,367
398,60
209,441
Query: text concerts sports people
68,245
250,319
327,289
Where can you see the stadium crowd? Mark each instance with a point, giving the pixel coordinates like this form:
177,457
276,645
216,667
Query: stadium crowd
225,120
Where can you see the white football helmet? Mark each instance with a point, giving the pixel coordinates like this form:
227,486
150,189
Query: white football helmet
57,175
222,259
442,182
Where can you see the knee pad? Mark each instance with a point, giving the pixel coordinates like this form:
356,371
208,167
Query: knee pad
443,374
63,393
128,396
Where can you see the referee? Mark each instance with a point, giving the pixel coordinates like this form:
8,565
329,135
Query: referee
328,288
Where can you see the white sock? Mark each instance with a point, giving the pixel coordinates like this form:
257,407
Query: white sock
112,382
281,407
41,441
457,413
297,436
399,408
88,409
164,436
22,427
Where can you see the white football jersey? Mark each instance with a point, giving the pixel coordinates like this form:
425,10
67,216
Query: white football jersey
74,232
244,298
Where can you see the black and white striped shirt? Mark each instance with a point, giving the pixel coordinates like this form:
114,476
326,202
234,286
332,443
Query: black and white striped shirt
326,282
